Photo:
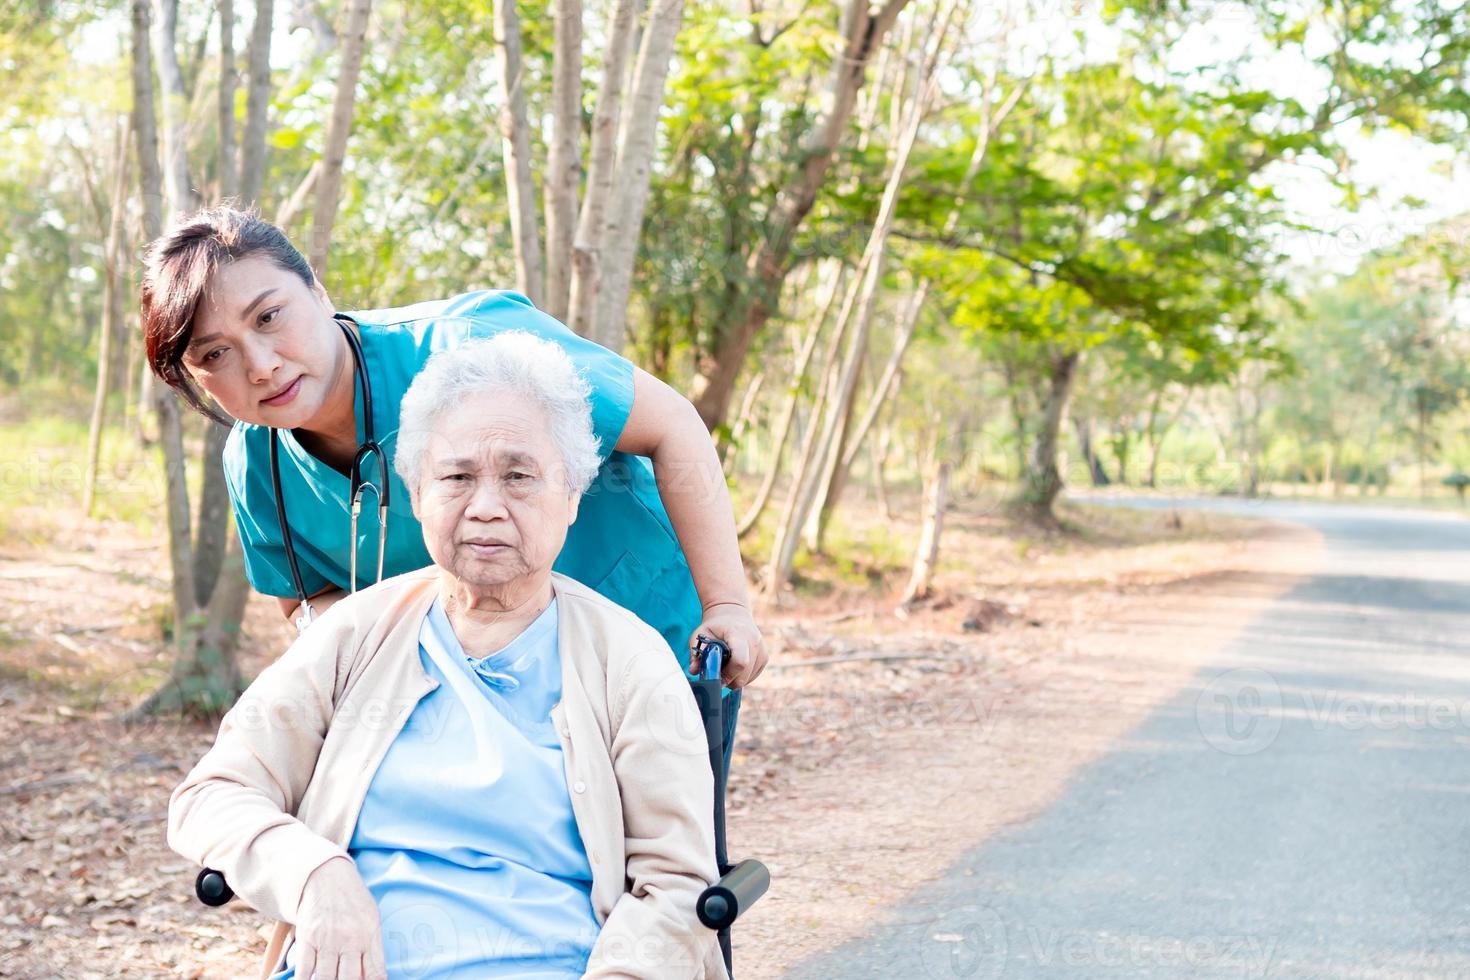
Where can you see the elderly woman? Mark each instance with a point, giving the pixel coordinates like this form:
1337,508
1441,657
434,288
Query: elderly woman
483,768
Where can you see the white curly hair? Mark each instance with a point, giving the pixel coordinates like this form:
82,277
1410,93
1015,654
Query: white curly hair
511,361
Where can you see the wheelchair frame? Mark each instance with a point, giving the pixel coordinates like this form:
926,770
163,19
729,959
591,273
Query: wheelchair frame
739,886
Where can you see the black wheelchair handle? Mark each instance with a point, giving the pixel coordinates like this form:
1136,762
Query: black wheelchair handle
726,900
211,888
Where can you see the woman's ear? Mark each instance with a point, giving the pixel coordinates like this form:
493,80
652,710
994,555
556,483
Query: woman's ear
572,507
320,292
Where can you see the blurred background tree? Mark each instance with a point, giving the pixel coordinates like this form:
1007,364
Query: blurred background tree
899,254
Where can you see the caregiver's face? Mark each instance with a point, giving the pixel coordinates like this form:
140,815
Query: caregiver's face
263,344
493,496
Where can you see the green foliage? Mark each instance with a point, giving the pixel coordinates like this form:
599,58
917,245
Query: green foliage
734,107
1129,209
44,450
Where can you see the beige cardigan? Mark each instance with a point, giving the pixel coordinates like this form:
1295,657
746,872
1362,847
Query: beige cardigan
279,792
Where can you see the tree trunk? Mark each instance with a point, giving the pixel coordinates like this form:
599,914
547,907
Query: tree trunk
729,446
563,163
146,437
852,441
114,286
862,30
291,209
936,498
257,105
214,514
1095,470
1156,444
1016,399
229,177
1421,441
788,413
180,191
870,98
145,126
601,166
193,71
814,528
1122,442
861,301
176,503
637,133
783,546
305,15
329,184
515,143
204,679
1337,471
903,72
132,355
1248,416
880,461
204,675
1365,468
908,320
1042,480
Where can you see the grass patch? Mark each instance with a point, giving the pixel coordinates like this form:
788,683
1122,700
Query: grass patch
862,557
43,468
103,691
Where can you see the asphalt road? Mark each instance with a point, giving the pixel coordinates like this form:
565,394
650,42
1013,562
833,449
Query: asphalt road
1301,809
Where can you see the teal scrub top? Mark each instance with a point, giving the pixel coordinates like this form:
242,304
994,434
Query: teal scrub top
622,543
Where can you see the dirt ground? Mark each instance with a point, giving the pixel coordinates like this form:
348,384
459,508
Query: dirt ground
855,778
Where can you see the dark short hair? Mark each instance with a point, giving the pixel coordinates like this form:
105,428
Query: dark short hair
177,269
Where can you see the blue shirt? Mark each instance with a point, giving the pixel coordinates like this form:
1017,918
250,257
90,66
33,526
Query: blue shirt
466,837
622,543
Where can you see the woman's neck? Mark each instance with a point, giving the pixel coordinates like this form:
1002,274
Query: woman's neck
331,434
487,620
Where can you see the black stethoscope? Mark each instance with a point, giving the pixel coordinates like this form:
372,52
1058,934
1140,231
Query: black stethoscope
358,486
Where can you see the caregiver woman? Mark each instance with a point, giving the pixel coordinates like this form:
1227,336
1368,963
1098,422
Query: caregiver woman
231,312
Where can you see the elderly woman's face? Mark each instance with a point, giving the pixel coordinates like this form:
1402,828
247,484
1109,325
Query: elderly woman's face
493,495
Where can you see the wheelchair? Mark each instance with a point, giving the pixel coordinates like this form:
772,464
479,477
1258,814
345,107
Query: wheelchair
739,886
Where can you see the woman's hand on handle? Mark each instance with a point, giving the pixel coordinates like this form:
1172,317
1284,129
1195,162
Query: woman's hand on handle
732,624
663,426
338,935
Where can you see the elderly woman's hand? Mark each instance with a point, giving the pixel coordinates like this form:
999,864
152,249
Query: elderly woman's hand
732,623
338,935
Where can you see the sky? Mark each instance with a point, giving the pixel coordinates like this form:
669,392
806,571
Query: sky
1393,166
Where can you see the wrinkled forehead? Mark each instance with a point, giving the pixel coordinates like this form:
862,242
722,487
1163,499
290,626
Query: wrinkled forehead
495,428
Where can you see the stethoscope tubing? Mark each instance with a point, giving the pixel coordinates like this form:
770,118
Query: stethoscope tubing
357,485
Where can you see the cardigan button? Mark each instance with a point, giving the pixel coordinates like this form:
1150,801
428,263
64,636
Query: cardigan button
581,787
